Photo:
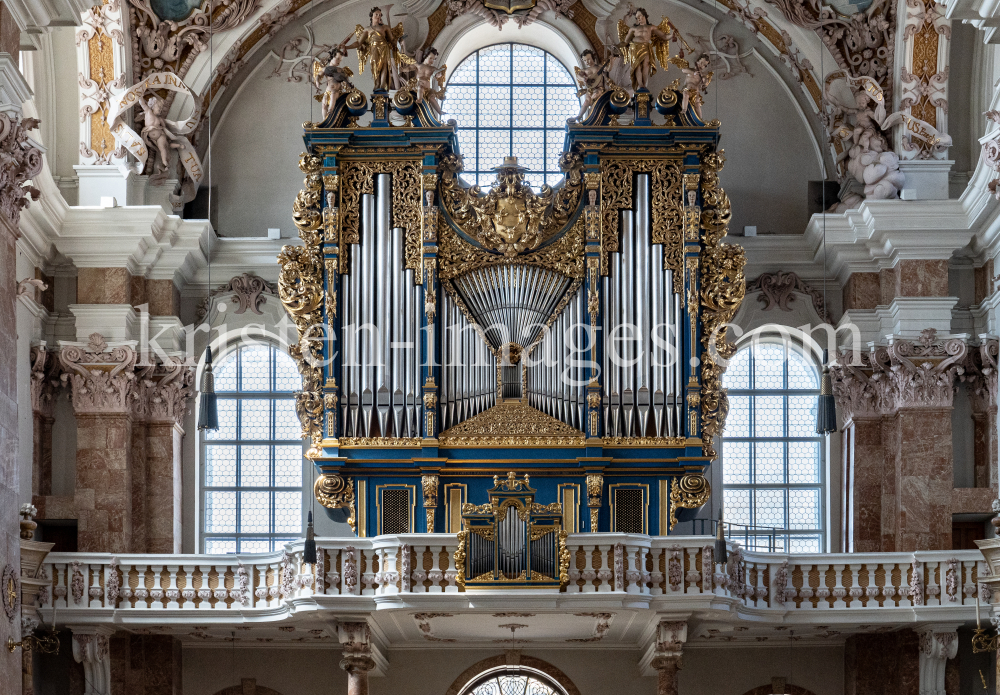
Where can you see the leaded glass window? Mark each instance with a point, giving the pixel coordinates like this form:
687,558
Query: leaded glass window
774,472
512,681
511,99
252,465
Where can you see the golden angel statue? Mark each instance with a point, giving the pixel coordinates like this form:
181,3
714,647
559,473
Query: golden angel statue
696,81
593,80
337,79
378,45
425,75
643,45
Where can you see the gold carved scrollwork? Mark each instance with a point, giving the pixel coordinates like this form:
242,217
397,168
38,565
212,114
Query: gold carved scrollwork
563,558
522,511
690,492
488,508
358,177
553,508
667,217
723,287
511,218
300,288
333,492
565,255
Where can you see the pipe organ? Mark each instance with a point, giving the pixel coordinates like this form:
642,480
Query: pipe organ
450,334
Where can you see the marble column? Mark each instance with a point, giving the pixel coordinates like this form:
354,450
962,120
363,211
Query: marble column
671,636
938,643
981,382
859,402
43,381
144,664
168,393
357,657
104,392
922,376
21,161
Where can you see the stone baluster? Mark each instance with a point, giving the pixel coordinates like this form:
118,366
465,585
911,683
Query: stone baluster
933,576
189,593
855,591
435,574
451,574
605,574
418,575
839,590
60,587
588,574
156,592
368,578
204,592
94,592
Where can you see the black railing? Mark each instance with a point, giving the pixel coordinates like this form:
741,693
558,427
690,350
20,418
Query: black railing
759,538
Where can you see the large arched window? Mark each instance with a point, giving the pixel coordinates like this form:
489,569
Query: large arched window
511,99
512,681
252,465
774,463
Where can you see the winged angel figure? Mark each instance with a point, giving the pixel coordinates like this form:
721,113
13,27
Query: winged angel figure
378,45
643,45
337,79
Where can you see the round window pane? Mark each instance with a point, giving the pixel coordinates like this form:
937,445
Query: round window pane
511,99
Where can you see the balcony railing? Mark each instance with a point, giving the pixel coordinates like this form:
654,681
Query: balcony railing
353,573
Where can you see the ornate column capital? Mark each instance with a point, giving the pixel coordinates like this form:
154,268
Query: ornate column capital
164,391
44,379
938,643
923,374
860,392
102,376
670,638
356,640
90,648
21,161
981,374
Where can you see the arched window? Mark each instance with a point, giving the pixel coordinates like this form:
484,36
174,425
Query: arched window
251,477
774,463
511,99
512,681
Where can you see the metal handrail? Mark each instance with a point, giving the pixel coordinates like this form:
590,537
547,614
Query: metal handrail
751,535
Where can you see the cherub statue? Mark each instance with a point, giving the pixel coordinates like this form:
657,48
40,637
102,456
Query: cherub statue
696,81
593,80
378,44
643,45
156,133
337,79
869,159
426,75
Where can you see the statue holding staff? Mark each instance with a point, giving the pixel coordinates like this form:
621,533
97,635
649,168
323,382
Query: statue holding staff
378,46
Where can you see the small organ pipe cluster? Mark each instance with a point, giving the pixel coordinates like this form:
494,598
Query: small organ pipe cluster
561,332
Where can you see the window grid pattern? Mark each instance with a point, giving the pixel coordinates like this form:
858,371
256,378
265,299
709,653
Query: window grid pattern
511,99
252,474
511,683
774,472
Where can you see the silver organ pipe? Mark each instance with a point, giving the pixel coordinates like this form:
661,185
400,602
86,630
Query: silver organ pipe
642,242
614,343
642,324
396,274
628,317
381,346
383,281
554,369
367,311
468,370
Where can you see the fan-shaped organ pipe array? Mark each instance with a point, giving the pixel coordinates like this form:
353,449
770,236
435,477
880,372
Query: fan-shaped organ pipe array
469,371
381,369
555,368
643,333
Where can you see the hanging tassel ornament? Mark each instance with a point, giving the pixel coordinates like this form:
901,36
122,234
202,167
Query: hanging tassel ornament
826,411
721,554
208,413
309,550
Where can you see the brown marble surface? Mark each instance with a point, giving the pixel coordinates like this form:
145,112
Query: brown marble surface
862,291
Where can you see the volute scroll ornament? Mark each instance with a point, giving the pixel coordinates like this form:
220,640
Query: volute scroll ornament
334,492
691,491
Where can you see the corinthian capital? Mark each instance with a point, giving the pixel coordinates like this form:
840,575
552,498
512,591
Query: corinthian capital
859,390
102,377
43,381
21,161
923,373
981,374
165,390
